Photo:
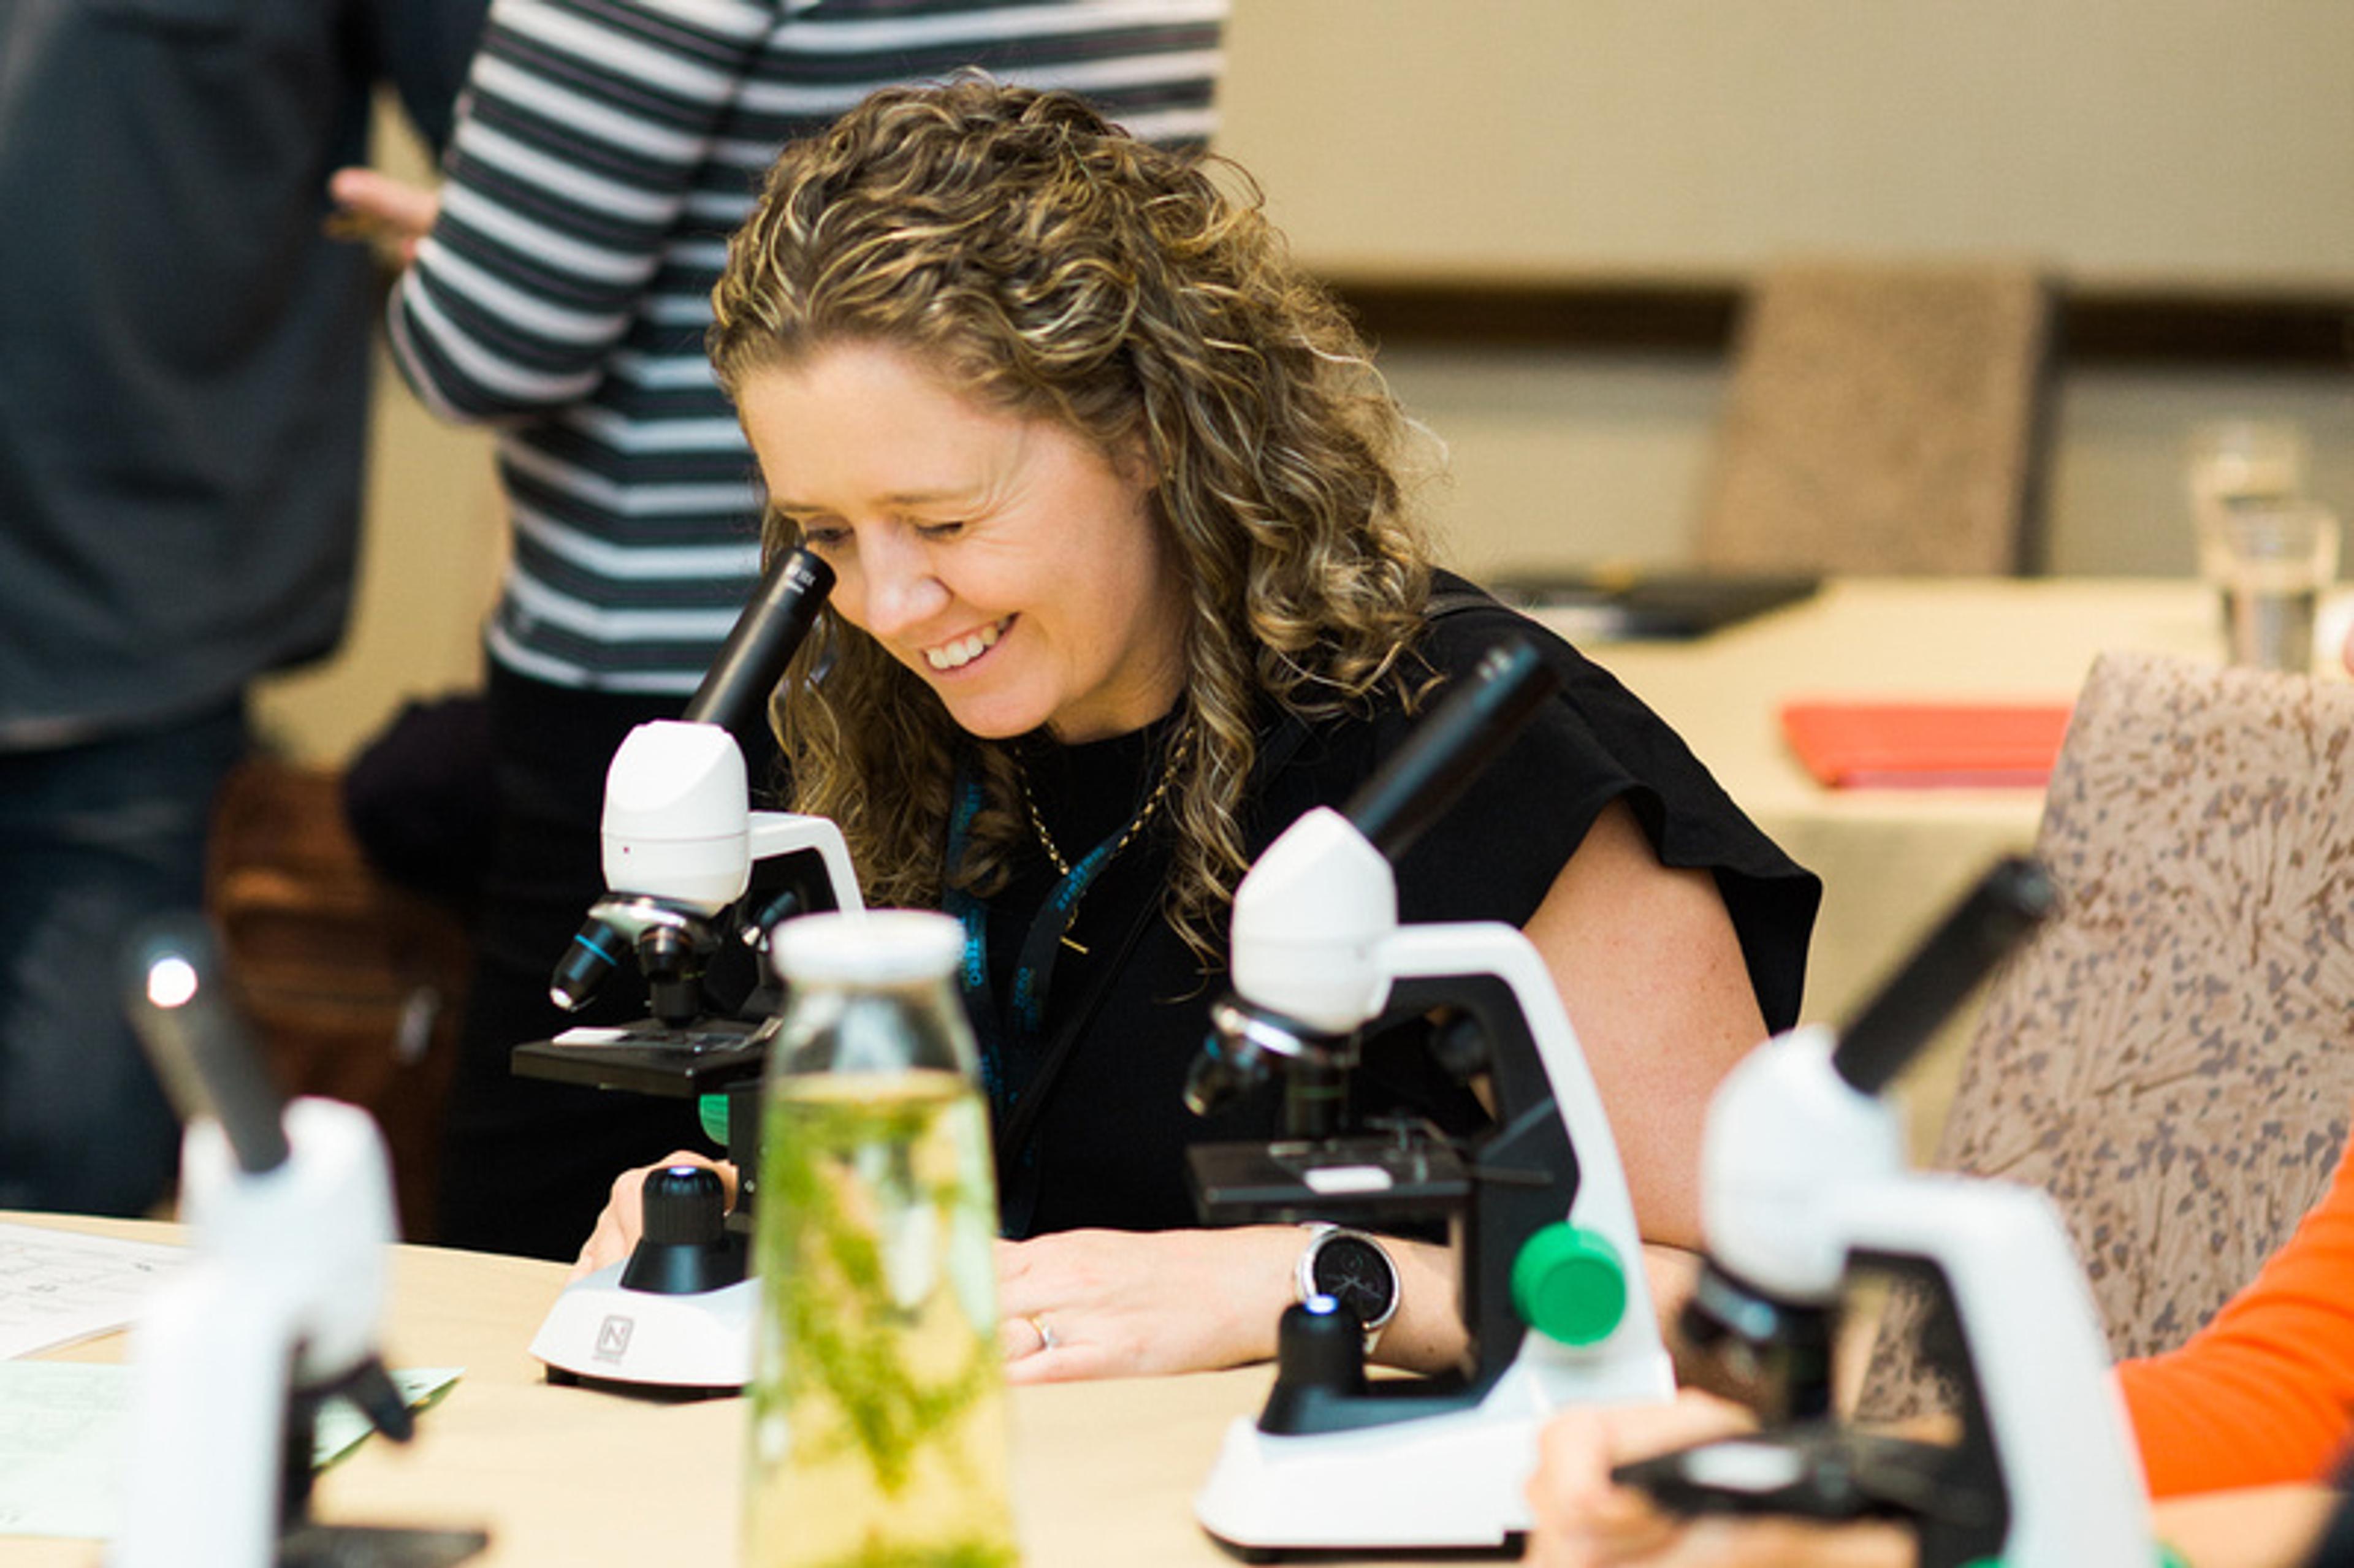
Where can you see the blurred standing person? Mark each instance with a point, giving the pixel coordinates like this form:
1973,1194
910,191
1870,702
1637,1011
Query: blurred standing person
184,375
608,150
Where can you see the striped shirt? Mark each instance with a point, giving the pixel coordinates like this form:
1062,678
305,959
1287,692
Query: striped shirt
606,150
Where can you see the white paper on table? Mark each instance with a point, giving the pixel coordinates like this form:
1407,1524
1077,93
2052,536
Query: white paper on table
65,1441
56,1286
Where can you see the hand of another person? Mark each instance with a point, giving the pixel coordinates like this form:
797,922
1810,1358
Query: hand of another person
623,1219
1583,1519
370,205
1092,1303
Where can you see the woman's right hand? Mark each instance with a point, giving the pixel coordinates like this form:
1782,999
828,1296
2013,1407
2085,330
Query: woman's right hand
1584,1520
623,1219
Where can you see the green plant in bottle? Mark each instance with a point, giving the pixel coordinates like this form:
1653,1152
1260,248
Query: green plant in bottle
878,1435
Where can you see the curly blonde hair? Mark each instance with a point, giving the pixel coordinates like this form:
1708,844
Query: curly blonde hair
1049,265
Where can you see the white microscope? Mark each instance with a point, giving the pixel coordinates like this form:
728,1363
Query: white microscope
292,1206
1804,1190
1553,1292
680,845
680,839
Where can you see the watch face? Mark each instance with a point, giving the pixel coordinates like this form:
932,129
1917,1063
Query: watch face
1356,1274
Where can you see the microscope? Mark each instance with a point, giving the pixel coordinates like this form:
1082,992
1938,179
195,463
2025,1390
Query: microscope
1554,1293
292,1206
680,844
1804,1192
683,852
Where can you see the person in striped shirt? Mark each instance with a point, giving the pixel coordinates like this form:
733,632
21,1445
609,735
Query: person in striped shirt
605,151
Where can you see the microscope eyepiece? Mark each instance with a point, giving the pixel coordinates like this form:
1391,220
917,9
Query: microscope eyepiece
1997,914
783,608
203,1048
1424,778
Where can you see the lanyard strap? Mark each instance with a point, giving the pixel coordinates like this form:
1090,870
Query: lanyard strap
1018,1026
1017,1107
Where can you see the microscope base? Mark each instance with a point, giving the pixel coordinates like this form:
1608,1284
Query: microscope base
602,1333
1447,1482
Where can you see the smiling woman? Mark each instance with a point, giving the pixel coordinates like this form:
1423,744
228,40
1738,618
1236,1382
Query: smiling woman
1126,584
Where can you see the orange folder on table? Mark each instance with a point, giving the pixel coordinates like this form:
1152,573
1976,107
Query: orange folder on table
1894,744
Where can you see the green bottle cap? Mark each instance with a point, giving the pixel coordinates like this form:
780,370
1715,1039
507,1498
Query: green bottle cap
1569,1283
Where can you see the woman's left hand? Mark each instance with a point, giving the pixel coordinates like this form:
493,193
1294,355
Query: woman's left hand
1086,1304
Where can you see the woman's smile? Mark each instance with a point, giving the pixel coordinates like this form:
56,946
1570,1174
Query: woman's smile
959,652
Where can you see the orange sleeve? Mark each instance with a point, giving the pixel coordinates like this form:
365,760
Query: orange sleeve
2264,1392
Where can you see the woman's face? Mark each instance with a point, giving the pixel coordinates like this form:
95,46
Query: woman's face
1006,560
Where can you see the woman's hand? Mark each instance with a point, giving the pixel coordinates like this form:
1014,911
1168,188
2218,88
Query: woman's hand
370,205
1086,1304
1583,1519
1095,1303
623,1219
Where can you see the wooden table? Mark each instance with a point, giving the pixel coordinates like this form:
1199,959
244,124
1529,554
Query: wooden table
1892,860
1105,1473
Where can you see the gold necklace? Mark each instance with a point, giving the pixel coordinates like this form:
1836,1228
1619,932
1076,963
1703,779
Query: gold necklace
1135,824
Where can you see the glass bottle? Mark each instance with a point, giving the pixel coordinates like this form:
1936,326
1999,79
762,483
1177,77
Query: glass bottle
878,1429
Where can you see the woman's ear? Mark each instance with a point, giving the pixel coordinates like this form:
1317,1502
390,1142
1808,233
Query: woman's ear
1132,460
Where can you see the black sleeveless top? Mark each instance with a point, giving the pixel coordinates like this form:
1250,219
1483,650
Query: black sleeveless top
1111,1128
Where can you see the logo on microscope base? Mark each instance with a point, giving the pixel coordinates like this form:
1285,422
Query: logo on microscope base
613,1338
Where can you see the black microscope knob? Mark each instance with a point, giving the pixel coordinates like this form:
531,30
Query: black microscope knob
1320,1344
685,1248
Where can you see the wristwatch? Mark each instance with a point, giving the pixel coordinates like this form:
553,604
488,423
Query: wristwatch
1354,1270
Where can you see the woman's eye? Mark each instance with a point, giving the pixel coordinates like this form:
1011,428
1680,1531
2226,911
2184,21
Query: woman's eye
822,538
940,530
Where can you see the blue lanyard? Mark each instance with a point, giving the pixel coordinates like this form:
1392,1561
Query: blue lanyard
1016,1029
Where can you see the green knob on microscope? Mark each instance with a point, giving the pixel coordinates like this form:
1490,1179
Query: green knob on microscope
1569,1283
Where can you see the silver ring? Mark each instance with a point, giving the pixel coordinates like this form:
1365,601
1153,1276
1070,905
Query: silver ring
1046,1341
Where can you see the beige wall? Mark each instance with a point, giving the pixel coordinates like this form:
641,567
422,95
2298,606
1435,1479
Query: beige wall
2173,139
2166,139
2112,136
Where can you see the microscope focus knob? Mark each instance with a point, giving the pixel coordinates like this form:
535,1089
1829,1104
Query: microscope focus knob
685,1249
1569,1283
1319,1344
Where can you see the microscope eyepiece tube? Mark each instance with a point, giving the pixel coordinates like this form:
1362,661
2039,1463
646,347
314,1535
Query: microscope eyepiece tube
203,1050
1449,747
2007,903
735,690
